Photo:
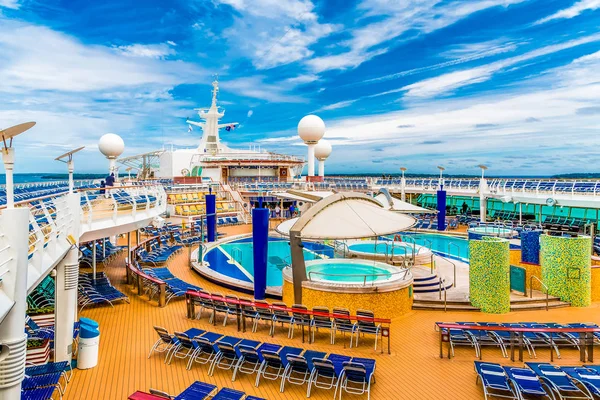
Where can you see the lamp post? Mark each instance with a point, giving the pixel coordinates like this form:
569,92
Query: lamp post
482,194
70,165
403,184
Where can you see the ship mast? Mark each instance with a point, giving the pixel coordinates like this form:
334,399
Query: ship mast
210,142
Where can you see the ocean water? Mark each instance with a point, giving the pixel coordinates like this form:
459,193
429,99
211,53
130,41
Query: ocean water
47,177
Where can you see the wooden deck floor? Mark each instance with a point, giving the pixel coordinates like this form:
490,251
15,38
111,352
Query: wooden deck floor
413,370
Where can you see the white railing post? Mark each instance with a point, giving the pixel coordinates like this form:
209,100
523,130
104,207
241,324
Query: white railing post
14,284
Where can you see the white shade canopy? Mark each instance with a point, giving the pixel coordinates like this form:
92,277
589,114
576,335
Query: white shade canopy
400,206
347,216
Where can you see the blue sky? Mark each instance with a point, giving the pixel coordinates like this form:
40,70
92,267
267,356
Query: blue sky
514,84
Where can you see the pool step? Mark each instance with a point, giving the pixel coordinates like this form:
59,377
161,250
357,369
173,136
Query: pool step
429,284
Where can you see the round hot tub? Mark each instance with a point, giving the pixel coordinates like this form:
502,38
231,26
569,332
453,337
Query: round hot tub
343,271
354,284
478,232
393,252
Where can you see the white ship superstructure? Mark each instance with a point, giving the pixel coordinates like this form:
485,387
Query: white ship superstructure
213,160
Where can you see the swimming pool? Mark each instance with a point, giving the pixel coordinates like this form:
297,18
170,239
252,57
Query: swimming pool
448,245
381,248
236,260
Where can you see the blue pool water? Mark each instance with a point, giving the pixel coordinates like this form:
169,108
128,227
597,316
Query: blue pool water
348,272
236,260
381,248
448,245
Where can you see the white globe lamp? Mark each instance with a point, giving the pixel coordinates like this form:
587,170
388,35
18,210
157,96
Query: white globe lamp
322,151
311,129
111,146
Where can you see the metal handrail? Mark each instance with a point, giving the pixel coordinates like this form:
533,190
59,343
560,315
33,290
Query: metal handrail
541,283
450,244
453,268
365,276
443,280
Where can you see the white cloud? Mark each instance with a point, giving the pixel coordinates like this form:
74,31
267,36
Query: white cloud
249,113
573,11
38,58
14,4
302,79
394,19
255,87
448,82
160,51
274,32
335,106
543,111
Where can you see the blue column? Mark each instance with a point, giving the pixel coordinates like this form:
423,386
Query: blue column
441,207
260,240
211,217
530,247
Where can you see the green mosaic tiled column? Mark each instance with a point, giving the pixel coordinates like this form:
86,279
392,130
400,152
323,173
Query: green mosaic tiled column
489,274
566,268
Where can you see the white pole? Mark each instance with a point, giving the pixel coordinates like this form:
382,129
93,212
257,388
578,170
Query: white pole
94,260
403,187
520,213
8,157
111,165
71,167
15,223
311,160
321,167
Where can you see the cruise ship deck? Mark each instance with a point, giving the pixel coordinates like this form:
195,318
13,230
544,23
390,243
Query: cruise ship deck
413,370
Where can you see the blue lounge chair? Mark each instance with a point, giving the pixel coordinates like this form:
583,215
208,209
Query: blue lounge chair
275,362
184,349
37,394
558,381
197,391
50,368
356,378
527,383
206,350
297,371
251,358
229,394
589,378
323,376
165,342
43,381
228,354
494,381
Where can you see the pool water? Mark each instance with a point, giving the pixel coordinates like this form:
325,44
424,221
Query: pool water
236,259
383,248
348,272
448,245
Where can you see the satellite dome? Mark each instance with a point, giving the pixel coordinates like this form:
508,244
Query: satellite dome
111,145
322,150
311,129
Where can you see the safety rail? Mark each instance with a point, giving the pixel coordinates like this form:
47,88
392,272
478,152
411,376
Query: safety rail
586,337
450,246
542,284
405,271
140,279
193,297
